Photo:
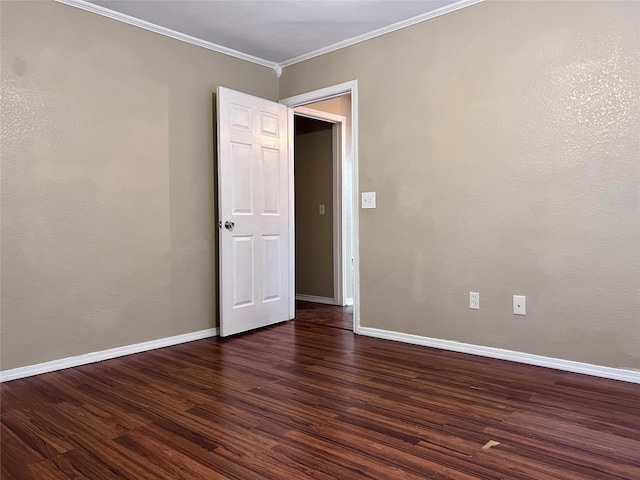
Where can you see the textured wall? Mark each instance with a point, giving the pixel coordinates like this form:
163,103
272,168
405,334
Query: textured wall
314,186
503,143
107,181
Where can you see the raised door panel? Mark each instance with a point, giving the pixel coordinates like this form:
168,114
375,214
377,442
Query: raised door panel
272,268
269,124
243,271
271,167
241,179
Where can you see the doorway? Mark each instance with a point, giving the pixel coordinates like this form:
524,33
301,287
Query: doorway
323,242
338,105
323,207
315,254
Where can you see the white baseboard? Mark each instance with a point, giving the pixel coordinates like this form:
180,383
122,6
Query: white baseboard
349,302
315,299
625,375
93,357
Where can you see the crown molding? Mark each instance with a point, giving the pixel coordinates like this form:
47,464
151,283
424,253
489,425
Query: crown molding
277,67
152,27
381,31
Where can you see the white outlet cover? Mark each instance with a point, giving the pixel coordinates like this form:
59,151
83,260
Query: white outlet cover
474,300
519,305
368,199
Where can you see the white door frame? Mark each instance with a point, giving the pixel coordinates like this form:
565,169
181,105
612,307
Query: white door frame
351,88
338,131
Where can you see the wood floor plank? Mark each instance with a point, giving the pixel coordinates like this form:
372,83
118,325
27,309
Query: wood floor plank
308,399
15,448
54,468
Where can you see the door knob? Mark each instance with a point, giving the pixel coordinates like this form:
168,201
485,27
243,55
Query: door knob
229,225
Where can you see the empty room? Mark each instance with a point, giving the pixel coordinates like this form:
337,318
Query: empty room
473,211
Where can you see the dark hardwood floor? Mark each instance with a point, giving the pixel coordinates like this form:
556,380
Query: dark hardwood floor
328,315
304,400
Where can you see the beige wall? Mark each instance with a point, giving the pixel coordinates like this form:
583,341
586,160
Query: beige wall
502,141
314,232
107,181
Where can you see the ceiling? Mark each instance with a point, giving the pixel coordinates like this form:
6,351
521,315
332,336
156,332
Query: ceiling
275,33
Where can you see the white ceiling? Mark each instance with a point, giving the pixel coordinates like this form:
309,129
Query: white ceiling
272,32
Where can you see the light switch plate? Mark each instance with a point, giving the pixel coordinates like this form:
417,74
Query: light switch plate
368,199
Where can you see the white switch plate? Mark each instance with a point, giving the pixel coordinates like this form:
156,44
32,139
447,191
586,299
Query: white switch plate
368,199
474,300
321,209
519,305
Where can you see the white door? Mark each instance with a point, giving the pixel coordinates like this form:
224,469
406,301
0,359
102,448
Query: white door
253,206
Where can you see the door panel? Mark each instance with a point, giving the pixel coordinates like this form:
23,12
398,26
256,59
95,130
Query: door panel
241,179
270,181
272,268
253,203
243,271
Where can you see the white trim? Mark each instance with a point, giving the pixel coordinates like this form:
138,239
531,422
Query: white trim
355,173
326,93
622,374
318,115
320,94
315,299
152,27
292,215
339,213
380,31
93,357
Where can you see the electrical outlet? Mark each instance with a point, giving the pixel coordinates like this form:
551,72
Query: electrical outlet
519,305
474,300
368,199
